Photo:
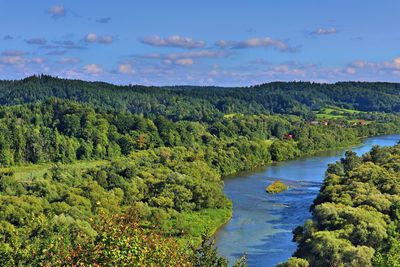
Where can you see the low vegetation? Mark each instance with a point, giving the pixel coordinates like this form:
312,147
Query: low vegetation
276,187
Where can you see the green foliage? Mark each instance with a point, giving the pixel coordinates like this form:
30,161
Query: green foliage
122,242
207,255
204,103
71,172
389,258
355,216
281,150
207,221
294,262
276,187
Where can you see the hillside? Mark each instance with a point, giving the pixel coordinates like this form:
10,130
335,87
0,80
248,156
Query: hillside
205,103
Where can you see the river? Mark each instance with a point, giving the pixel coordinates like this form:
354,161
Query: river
262,224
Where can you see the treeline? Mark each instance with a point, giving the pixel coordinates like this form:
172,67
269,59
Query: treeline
356,214
206,103
65,131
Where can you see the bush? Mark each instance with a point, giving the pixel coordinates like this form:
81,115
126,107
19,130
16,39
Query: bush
276,187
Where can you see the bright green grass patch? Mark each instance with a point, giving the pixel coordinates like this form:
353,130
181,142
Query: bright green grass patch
329,116
337,110
38,170
198,223
333,113
232,115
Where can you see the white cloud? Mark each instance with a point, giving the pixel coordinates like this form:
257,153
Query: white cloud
194,54
69,60
13,60
126,69
359,64
93,69
351,70
37,60
396,62
186,58
286,70
168,61
91,37
173,41
255,43
57,11
388,65
324,31
201,54
20,60
72,74
101,39
213,73
184,61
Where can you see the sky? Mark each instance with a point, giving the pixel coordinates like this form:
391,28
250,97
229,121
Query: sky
188,42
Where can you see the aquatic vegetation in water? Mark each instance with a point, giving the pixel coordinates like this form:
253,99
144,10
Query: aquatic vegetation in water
276,187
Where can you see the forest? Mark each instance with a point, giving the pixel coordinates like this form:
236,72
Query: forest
206,103
356,214
152,161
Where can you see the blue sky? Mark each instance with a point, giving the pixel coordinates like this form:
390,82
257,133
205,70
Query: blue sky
228,43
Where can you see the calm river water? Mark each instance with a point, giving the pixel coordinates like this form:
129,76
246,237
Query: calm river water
262,224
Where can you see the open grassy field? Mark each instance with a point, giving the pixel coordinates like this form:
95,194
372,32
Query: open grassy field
208,221
38,170
332,113
232,115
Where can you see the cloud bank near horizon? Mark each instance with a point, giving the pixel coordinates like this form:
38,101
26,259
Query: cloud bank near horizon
171,46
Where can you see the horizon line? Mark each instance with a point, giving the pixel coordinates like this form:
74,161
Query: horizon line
191,85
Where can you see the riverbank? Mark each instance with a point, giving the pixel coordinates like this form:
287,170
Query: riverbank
356,230
195,223
301,154
261,224
221,216
210,221
207,221
215,226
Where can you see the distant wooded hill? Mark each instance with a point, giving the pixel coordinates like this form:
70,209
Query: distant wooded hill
205,103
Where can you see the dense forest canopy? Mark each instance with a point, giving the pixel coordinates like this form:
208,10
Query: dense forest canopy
65,131
204,103
94,172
